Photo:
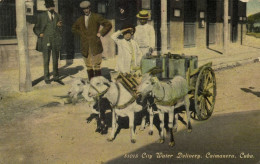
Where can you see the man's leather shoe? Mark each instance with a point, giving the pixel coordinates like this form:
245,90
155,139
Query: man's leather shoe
47,81
59,81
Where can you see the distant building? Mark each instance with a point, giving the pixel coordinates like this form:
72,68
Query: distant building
191,23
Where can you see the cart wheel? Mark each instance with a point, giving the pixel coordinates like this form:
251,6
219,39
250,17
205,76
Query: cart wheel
205,93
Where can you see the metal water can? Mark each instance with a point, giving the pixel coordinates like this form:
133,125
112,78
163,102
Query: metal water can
177,67
191,62
150,62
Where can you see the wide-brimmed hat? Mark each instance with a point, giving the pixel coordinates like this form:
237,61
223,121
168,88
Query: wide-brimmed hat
84,4
49,3
143,14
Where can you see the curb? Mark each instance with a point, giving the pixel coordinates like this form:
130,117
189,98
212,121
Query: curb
226,66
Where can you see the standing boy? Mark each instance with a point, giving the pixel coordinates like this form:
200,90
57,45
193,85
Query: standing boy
145,35
129,54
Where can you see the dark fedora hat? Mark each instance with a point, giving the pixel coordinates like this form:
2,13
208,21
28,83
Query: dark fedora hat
49,3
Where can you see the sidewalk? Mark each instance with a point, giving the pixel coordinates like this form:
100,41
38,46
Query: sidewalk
237,55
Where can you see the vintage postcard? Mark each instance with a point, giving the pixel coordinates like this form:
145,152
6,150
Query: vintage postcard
129,81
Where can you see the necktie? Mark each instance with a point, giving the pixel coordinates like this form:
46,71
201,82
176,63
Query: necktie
52,16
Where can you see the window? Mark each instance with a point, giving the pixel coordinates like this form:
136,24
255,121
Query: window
146,4
101,7
177,13
202,14
7,19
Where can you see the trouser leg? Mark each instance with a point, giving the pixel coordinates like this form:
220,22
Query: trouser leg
46,61
55,59
93,63
97,71
90,73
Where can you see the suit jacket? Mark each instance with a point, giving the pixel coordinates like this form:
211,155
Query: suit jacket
88,36
41,26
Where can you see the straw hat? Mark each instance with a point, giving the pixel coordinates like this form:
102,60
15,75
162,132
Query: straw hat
143,14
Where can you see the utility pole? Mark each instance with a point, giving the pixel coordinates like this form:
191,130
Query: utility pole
25,82
225,28
164,40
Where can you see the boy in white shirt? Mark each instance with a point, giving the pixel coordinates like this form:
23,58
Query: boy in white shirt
145,34
129,54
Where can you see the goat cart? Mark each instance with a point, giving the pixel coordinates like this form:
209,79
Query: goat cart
201,80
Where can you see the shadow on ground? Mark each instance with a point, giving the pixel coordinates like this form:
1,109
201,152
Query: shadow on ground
235,134
250,90
63,71
106,72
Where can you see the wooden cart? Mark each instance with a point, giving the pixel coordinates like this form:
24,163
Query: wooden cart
201,80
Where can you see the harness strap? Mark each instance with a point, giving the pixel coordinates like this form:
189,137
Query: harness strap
124,105
132,100
98,96
99,93
159,100
164,103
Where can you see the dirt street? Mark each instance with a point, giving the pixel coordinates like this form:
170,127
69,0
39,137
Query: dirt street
56,133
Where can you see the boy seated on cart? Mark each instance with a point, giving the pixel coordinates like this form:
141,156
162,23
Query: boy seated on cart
129,55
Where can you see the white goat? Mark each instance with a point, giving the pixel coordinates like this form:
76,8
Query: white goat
122,102
168,95
79,87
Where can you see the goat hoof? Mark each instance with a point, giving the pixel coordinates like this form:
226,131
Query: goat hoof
189,130
141,129
150,133
110,139
133,140
161,141
171,143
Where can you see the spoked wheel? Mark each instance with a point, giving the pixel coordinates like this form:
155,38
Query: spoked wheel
205,93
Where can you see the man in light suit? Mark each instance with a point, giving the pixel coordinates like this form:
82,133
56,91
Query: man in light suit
87,27
48,30
145,34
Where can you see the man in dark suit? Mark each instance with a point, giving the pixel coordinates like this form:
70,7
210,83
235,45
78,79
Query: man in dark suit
48,30
87,27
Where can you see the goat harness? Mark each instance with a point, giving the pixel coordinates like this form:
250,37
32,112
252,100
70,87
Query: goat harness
130,83
124,105
99,93
171,102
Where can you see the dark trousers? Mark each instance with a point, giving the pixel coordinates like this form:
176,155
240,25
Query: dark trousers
47,51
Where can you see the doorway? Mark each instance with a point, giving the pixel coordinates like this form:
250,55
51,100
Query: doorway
234,23
211,21
189,23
